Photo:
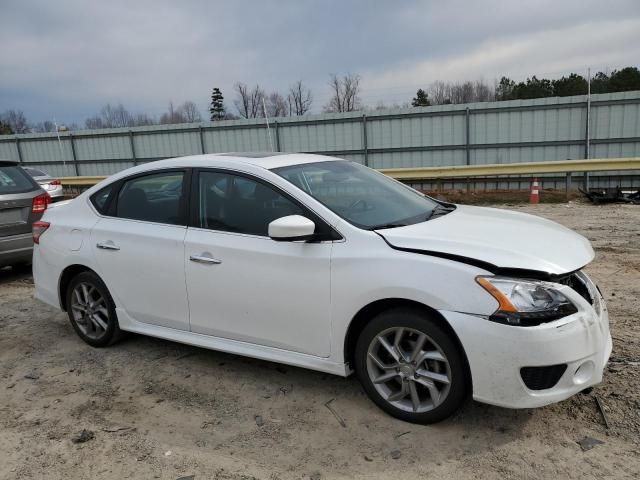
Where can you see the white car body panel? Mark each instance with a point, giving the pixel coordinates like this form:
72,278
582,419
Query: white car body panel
502,238
147,272
293,302
264,292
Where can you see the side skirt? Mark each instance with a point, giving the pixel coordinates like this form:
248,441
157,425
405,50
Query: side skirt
233,346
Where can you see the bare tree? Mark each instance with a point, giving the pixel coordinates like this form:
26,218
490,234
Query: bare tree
276,105
483,92
171,116
190,112
345,93
142,119
44,127
115,116
299,99
465,92
16,120
248,102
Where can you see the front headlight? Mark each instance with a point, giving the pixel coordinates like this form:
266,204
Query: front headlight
526,302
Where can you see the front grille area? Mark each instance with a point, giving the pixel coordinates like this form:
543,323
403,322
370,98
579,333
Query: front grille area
541,378
576,283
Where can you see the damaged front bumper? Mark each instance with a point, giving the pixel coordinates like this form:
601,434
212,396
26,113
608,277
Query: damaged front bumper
525,367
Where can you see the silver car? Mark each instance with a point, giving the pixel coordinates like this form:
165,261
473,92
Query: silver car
51,185
22,203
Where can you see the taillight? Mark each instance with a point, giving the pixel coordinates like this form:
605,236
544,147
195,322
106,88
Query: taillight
55,182
39,204
38,229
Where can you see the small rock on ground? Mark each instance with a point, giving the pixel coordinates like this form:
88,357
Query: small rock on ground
84,436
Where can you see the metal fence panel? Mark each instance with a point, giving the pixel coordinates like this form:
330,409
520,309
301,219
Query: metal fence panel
478,133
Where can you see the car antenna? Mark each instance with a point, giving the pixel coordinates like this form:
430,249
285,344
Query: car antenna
266,117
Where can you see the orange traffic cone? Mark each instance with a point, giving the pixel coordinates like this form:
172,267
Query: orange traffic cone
534,197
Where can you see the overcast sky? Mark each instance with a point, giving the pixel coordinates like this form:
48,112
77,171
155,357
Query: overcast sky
67,58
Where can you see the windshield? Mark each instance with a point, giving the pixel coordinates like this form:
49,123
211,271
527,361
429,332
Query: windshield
360,195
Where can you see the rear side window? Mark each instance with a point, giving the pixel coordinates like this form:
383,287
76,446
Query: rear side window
14,179
152,198
100,199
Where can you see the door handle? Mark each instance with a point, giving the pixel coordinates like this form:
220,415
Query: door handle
203,259
107,246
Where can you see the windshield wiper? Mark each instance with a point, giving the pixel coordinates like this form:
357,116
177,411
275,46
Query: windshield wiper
387,225
440,210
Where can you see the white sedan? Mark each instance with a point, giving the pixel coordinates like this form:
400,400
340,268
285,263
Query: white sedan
325,264
51,185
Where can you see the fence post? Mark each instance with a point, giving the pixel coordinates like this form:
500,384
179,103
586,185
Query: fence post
200,131
277,136
73,153
467,139
365,142
567,185
587,141
132,145
19,151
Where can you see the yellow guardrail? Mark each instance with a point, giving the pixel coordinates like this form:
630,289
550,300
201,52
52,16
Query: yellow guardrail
80,181
527,168
465,171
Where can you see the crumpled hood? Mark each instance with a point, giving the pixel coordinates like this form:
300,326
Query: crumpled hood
502,238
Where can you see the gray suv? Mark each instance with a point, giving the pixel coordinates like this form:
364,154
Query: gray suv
22,202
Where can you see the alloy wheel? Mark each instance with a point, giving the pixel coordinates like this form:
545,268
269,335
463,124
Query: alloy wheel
89,310
408,369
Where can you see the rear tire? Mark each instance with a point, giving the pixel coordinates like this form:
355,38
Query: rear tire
92,311
410,367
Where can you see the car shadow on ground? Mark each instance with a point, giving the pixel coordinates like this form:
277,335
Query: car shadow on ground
13,274
472,424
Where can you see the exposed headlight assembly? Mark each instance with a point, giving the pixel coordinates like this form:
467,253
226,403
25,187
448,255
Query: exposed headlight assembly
526,303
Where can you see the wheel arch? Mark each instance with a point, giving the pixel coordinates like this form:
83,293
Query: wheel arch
65,278
366,313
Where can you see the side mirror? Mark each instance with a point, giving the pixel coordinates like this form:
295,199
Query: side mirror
292,228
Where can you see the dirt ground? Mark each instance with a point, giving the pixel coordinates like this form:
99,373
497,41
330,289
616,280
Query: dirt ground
163,410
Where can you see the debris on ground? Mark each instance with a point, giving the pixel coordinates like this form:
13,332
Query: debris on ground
602,411
335,414
613,195
259,421
396,454
587,443
84,436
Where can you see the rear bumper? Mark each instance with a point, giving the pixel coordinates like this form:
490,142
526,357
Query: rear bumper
57,192
497,353
16,249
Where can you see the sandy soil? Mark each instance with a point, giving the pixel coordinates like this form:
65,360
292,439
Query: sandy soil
163,410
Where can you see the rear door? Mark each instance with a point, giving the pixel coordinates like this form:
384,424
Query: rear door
17,190
139,247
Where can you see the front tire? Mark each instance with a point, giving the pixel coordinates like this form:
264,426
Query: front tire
92,311
410,367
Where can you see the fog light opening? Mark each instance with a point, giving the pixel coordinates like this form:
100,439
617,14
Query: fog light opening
584,373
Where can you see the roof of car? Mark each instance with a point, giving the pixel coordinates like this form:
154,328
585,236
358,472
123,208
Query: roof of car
265,160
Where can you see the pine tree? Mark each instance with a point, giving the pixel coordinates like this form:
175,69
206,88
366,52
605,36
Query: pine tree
5,128
421,99
217,105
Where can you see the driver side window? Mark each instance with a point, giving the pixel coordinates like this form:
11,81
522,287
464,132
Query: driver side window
233,203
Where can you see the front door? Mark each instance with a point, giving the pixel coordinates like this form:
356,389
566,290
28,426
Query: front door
243,285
